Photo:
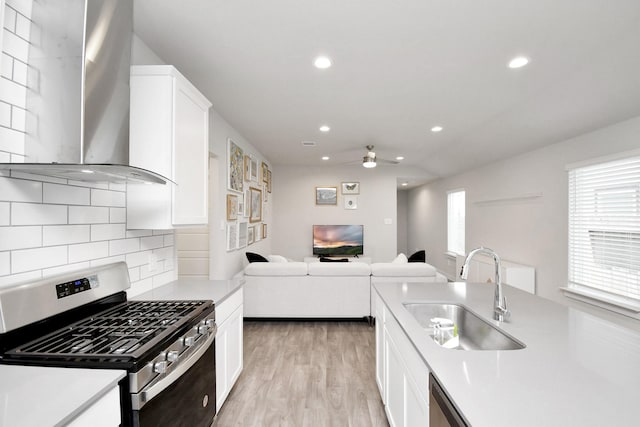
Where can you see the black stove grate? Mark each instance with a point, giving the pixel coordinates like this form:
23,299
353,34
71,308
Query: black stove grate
125,331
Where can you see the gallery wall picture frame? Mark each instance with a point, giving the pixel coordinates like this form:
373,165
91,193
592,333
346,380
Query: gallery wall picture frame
265,193
232,236
326,196
247,167
235,167
251,234
240,205
264,170
350,188
269,180
247,203
255,214
243,228
232,207
351,202
254,169
264,231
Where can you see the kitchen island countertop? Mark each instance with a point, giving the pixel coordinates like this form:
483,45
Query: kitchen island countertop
193,289
576,370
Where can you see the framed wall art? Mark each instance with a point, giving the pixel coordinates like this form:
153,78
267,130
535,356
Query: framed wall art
247,167
254,169
264,231
232,207
247,203
326,195
269,181
350,188
256,205
232,236
264,171
243,230
235,167
251,234
350,202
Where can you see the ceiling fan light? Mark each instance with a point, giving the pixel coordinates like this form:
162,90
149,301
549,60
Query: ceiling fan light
369,162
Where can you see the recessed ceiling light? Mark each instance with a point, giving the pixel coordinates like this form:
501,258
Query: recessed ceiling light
436,129
404,184
322,62
324,128
399,158
518,62
325,157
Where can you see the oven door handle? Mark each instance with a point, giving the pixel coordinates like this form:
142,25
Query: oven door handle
148,393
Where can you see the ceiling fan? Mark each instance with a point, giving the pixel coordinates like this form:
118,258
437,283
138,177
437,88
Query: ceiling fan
370,160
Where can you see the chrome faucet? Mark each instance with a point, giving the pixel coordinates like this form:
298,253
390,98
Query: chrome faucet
500,312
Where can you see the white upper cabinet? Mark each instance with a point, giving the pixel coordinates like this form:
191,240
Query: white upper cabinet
169,134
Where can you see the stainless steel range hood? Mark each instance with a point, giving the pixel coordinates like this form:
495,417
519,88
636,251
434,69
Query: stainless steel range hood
78,93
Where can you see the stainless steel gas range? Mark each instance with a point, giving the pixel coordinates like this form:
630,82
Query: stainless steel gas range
83,320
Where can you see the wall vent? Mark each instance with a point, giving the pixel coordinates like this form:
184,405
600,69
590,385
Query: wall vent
308,143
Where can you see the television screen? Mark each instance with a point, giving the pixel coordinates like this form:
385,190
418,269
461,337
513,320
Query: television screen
338,240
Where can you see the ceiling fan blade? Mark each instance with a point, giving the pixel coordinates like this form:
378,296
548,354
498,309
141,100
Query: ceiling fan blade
387,162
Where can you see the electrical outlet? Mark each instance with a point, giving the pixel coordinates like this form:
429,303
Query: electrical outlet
388,221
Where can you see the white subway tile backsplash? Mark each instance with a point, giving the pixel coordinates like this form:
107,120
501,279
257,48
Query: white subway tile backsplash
117,187
21,6
20,237
88,251
153,242
169,239
20,72
164,278
11,140
123,246
5,114
64,269
17,158
164,253
17,190
162,232
36,259
138,233
35,214
169,264
5,263
65,194
10,19
134,274
65,234
118,215
108,198
15,46
138,258
4,158
18,119
107,232
145,270
23,27
6,70
5,213
88,215
139,287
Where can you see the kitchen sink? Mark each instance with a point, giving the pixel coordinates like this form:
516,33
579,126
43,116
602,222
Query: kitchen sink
454,326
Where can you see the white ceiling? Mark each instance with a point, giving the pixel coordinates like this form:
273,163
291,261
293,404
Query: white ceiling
401,67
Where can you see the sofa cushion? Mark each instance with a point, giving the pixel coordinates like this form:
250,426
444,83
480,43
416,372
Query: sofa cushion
387,269
419,256
253,257
400,259
276,269
339,269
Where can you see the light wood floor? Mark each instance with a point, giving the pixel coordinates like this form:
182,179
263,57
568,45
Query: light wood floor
306,373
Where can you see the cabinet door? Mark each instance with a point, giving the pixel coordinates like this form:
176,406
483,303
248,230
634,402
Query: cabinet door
222,386
379,314
103,413
234,347
394,382
417,409
191,159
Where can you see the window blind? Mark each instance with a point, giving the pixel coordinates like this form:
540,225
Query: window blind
604,227
455,222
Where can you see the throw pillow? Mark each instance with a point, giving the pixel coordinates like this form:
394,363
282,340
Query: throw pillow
253,257
400,259
276,258
419,256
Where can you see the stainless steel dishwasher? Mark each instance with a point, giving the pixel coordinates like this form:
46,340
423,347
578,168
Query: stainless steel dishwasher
442,412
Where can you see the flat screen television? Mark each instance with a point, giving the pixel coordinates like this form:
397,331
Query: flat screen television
338,240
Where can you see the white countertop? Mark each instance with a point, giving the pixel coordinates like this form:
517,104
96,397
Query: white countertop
41,396
193,289
576,369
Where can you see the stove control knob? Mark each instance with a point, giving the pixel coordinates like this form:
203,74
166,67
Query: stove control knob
160,367
172,356
203,329
189,341
210,323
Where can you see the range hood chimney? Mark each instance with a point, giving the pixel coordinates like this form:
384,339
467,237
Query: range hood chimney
78,93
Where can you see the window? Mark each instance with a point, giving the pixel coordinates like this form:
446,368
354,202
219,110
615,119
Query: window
604,229
455,222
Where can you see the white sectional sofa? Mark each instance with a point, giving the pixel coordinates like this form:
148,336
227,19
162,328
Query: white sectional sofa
322,289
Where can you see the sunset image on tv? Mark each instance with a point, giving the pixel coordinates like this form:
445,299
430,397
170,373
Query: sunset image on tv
338,240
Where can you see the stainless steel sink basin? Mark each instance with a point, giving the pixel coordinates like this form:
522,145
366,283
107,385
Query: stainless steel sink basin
454,326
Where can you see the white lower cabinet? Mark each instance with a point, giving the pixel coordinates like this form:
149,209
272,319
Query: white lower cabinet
229,360
405,377
103,413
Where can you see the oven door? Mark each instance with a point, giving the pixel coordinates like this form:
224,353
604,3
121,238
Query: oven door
187,397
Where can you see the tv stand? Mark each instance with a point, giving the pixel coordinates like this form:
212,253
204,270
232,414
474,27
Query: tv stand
366,260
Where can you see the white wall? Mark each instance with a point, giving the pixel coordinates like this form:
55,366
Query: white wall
224,264
532,231
295,210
